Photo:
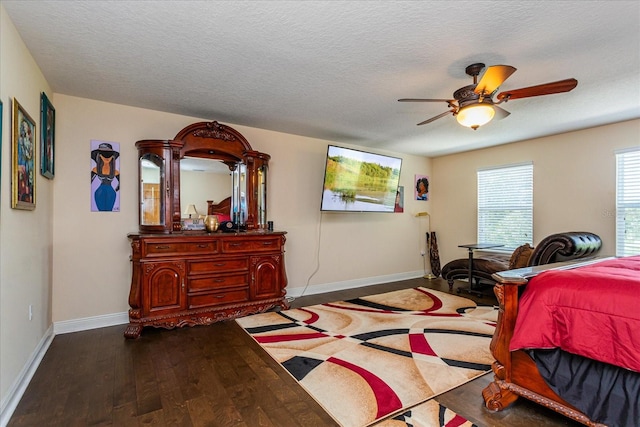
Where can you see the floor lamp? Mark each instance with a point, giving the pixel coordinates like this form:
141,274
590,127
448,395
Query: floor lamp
427,246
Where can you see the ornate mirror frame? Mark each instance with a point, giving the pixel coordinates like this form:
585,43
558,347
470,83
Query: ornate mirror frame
209,140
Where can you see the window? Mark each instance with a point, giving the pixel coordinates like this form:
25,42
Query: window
628,202
505,205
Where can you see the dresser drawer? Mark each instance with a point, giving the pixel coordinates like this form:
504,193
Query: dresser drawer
218,266
187,248
219,298
249,246
218,282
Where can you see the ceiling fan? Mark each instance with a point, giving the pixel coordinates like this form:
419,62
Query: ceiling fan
474,106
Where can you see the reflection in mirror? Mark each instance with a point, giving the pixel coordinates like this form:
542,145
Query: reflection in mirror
151,179
201,180
262,196
239,194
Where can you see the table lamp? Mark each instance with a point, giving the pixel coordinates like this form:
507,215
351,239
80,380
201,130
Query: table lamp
191,210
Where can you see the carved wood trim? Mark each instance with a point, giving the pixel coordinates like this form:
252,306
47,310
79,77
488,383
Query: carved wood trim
215,130
548,403
199,317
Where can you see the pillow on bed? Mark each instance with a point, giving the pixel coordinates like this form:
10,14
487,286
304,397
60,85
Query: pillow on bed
520,257
223,217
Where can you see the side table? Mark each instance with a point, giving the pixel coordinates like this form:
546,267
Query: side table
471,247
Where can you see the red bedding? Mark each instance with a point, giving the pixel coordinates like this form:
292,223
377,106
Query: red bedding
591,311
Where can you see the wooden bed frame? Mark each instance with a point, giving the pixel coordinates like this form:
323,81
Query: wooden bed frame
515,372
222,208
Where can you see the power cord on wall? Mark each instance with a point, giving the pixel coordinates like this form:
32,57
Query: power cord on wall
291,299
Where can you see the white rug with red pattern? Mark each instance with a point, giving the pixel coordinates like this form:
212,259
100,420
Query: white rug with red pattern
372,358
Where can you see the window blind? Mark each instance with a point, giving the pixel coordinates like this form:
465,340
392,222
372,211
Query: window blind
628,202
505,205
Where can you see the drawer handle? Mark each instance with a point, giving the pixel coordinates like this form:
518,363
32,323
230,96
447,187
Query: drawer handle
219,280
220,296
203,246
267,243
220,264
235,244
162,247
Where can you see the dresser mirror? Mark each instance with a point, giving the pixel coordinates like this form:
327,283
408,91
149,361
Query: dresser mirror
203,180
198,276
209,165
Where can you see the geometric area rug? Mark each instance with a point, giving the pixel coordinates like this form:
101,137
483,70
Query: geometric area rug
373,358
427,414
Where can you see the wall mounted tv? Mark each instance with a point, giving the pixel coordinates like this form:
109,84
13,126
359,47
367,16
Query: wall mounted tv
357,181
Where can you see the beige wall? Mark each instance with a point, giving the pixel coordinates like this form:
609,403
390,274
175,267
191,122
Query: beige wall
198,187
91,269
26,237
573,185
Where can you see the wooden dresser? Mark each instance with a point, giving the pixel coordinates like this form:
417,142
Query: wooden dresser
195,278
187,278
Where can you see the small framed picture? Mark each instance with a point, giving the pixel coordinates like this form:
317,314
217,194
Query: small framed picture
23,149
47,137
192,224
422,187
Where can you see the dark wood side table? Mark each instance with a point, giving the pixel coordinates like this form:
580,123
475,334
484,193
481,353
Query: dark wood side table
472,247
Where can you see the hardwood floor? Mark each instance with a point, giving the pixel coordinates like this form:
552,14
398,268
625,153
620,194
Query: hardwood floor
208,376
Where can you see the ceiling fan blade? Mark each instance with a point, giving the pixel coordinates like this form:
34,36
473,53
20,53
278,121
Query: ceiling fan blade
424,100
543,89
435,118
501,113
493,78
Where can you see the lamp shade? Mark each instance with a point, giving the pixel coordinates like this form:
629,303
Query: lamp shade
475,115
191,210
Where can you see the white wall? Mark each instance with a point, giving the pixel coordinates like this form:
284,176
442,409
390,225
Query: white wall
26,237
573,185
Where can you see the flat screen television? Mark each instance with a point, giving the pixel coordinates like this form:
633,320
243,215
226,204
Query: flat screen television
358,181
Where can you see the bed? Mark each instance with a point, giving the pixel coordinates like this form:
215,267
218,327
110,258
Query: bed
568,338
222,209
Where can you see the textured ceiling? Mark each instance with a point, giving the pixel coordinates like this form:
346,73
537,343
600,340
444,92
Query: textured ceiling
335,69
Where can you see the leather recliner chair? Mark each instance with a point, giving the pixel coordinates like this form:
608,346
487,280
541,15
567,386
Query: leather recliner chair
554,248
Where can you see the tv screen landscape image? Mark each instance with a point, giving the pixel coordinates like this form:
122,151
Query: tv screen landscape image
358,181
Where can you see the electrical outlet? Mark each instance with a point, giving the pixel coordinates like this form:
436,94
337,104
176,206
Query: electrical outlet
30,312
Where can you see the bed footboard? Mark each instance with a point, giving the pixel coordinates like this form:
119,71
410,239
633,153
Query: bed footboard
515,373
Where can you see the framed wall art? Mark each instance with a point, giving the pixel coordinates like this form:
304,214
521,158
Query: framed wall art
422,187
47,137
23,149
105,176
399,206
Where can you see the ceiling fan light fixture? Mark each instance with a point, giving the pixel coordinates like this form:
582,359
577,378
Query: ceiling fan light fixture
475,115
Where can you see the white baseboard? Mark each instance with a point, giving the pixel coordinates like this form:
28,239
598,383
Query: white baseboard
87,323
350,284
16,391
14,395
113,319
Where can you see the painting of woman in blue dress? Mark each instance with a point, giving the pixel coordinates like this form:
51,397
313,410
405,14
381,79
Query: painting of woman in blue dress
105,176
